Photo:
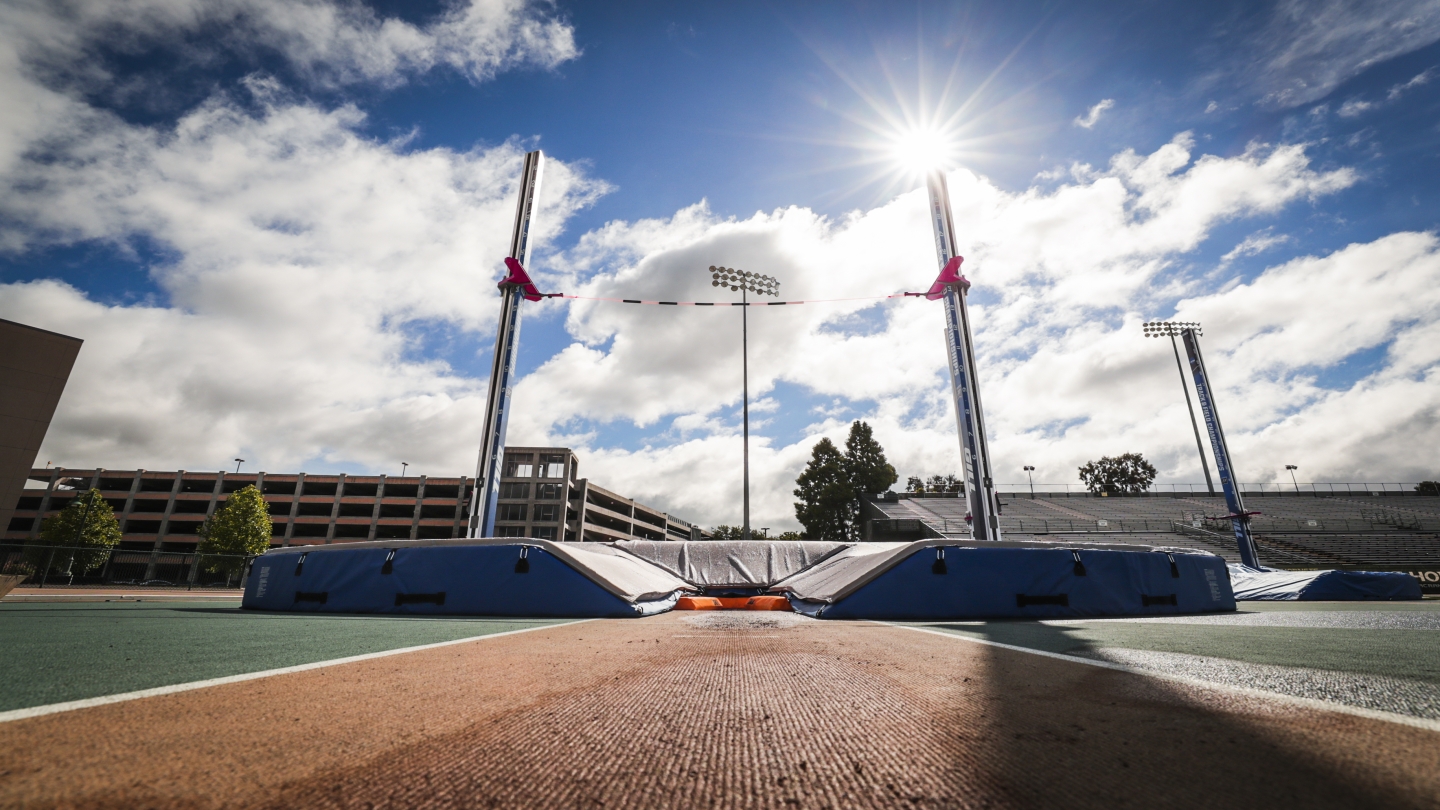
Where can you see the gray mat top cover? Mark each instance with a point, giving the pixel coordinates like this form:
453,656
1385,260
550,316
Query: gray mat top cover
732,563
847,570
623,575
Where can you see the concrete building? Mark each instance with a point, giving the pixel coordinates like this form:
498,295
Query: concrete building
541,497
34,367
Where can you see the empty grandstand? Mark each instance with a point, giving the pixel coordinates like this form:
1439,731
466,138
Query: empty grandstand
1293,530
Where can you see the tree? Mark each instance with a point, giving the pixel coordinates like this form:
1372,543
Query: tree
825,493
791,536
238,529
88,524
1127,473
832,485
865,461
914,484
942,483
1428,488
724,532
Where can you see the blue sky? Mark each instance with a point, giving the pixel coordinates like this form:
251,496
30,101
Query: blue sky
278,227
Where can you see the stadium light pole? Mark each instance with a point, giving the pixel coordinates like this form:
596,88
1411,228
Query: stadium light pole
238,462
760,285
1234,500
1161,328
1028,471
1292,468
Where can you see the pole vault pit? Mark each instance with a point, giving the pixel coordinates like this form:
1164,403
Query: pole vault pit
940,579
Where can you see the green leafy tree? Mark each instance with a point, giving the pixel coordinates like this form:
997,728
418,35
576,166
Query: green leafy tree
724,532
914,484
865,462
238,529
825,493
942,483
868,470
833,484
791,536
85,530
1122,474
1428,487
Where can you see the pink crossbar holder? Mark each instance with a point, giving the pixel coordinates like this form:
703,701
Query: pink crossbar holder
949,274
519,278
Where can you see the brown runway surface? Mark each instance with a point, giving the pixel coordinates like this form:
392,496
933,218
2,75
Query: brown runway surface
714,710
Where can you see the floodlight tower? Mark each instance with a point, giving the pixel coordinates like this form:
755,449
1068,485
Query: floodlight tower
1239,518
502,368
975,452
1162,329
745,283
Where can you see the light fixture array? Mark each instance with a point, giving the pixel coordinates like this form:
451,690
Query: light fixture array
741,280
1157,329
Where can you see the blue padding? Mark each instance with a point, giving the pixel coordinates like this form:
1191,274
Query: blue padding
982,583
1272,585
477,581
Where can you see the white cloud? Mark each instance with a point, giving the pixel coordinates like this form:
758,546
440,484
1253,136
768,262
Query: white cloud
1089,119
1355,107
307,256
1420,79
307,264
329,41
1309,47
1254,244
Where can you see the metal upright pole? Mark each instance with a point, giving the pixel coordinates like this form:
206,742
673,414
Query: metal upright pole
745,387
502,368
979,481
1239,518
1199,445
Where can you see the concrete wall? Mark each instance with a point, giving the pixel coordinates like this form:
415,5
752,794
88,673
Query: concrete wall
34,366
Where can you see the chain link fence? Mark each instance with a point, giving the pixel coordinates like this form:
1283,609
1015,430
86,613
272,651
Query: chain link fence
37,565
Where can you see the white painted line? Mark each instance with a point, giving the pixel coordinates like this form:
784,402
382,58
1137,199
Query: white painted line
72,705
1309,703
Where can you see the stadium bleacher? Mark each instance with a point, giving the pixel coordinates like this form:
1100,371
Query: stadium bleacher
1303,530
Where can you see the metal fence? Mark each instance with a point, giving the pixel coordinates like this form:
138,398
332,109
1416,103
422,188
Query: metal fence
1168,525
1285,488
44,566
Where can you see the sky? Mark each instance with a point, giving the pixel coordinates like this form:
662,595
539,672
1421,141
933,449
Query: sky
278,226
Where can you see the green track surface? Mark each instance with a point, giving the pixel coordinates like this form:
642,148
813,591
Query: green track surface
1401,653
56,652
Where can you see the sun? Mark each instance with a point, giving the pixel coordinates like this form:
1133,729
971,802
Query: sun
922,150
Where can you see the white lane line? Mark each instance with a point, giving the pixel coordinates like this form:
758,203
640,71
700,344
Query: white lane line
1309,703
72,705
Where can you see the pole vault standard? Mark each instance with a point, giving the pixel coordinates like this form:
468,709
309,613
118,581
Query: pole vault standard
1239,518
979,482
502,369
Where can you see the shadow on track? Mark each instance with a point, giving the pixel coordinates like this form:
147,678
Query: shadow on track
1073,735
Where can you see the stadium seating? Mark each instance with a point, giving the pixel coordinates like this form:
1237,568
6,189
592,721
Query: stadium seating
1304,530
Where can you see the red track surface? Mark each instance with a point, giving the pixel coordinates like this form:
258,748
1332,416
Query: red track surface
714,710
